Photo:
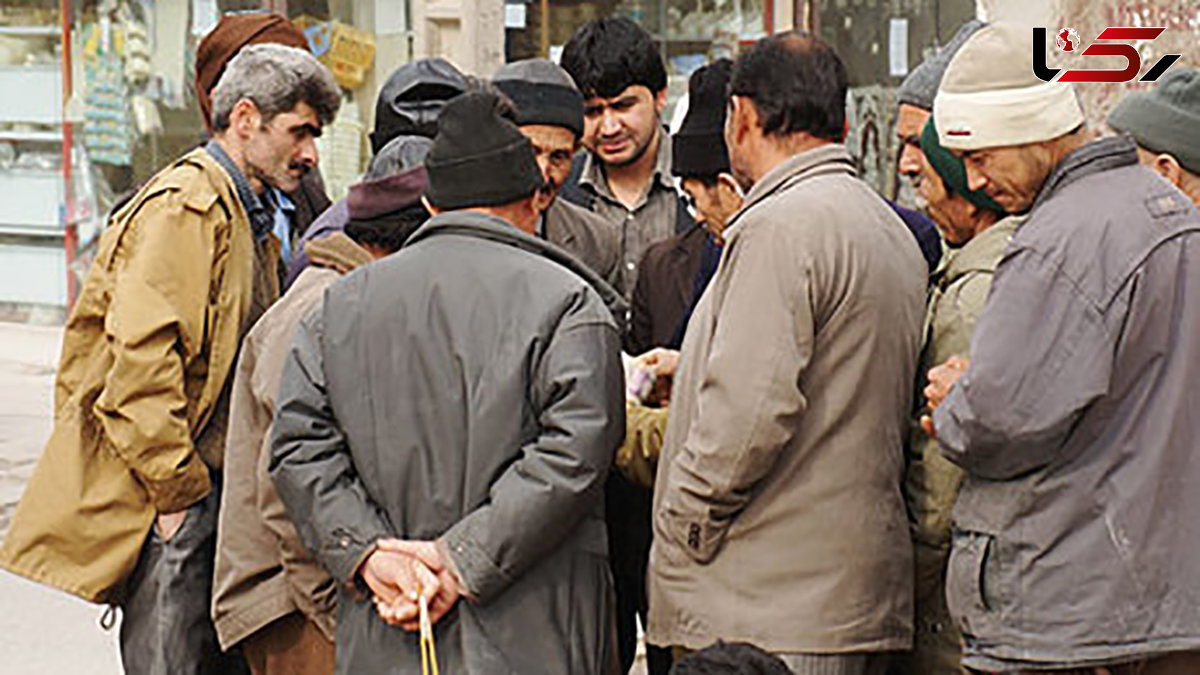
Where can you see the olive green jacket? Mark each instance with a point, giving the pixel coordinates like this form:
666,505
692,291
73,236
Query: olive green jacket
957,295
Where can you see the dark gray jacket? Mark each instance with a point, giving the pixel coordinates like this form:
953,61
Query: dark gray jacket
585,235
1076,537
468,387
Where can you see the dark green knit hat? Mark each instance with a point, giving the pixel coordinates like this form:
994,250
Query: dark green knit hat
1165,119
952,170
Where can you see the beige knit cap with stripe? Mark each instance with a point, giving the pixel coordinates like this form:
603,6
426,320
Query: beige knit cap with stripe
990,97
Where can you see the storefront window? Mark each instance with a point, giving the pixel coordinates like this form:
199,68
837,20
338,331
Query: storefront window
690,33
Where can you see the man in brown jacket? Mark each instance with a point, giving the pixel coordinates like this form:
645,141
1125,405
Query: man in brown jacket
122,506
269,595
778,518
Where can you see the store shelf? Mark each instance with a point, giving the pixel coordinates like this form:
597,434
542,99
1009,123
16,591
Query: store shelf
31,136
31,202
31,31
41,94
33,274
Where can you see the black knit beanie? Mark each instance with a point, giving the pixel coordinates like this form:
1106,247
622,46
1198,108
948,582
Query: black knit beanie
698,148
543,93
1165,119
479,158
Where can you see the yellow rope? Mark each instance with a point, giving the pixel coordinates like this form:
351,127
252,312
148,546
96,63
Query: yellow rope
429,664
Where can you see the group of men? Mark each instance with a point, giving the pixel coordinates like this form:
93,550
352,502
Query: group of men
288,433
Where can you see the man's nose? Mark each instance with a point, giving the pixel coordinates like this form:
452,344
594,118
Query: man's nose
911,160
308,153
975,179
609,124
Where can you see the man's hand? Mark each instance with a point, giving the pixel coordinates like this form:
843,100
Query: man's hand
167,524
941,381
398,581
428,553
663,363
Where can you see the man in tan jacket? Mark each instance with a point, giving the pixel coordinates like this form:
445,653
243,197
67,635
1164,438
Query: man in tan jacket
122,506
778,517
269,595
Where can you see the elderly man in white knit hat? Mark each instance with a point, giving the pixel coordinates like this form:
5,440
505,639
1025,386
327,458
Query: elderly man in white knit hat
1076,543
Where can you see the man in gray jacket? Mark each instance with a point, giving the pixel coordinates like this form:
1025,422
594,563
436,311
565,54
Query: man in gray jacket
1075,540
778,518
446,423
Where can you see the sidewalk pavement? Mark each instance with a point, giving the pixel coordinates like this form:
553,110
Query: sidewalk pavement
41,630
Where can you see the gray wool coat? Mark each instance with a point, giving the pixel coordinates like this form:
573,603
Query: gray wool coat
470,388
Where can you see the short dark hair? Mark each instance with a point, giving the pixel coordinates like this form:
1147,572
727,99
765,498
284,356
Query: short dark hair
797,83
607,56
730,658
388,232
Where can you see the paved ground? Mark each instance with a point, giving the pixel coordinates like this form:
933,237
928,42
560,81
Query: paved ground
42,632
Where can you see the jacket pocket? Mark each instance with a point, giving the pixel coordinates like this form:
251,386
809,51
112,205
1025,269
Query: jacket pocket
972,581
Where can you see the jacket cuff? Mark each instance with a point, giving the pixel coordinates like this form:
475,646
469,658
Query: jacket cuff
481,577
188,485
701,539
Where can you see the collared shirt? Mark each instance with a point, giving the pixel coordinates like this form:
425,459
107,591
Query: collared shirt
284,215
651,219
262,219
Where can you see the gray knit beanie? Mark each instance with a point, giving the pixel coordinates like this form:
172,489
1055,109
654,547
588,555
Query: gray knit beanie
1165,119
921,85
543,93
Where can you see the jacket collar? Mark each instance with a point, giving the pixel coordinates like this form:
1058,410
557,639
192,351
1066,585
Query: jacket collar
980,254
1105,154
829,158
261,218
492,228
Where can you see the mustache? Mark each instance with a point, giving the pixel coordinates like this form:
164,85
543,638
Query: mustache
302,167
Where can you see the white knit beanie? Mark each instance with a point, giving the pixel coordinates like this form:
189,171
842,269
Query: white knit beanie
990,97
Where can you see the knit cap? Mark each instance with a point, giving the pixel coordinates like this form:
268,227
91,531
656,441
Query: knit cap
479,157
951,169
698,148
543,93
1165,119
921,85
989,96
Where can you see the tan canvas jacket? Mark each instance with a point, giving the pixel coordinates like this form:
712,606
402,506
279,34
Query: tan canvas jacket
146,353
263,571
778,517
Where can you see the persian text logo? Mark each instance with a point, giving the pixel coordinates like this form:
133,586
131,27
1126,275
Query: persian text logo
1067,40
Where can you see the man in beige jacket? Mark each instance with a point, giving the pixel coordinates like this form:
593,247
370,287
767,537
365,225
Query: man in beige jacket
778,517
269,595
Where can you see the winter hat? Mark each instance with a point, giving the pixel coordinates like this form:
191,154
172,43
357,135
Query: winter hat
479,157
411,99
921,85
400,154
543,93
698,148
374,198
951,170
990,97
1165,119
227,38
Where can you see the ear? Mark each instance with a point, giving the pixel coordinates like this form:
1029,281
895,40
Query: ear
729,192
245,117
742,118
660,100
1168,167
433,210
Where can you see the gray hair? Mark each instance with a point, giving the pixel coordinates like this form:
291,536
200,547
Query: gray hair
276,78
